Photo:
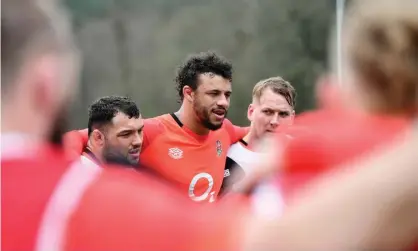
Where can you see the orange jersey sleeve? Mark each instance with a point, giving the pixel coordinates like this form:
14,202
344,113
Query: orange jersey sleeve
74,142
235,132
121,212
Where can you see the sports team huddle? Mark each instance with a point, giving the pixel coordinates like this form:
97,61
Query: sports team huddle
343,176
196,148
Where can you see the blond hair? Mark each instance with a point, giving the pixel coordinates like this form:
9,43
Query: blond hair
380,46
277,85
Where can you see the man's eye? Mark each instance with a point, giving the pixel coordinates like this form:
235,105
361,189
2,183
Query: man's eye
268,112
284,114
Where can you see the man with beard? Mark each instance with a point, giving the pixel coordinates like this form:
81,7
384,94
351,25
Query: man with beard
49,203
115,132
188,147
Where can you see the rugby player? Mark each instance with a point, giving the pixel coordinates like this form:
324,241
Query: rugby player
377,99
273,106
188,148
115,132
49,203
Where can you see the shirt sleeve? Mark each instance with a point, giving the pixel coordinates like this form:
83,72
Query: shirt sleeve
140,214
235,132
74,143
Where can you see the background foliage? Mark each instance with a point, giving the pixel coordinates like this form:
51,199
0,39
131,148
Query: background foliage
134,47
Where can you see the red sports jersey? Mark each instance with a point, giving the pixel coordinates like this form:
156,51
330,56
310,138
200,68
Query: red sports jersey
50,204
334,137
192,162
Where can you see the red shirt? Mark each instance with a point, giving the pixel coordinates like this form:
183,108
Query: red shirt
51,204
194,163
334,137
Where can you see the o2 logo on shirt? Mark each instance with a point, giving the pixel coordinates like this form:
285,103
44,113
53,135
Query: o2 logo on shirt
208,191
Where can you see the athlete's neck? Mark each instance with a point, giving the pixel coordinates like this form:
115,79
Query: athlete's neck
251,140
94,153
188,117
18,113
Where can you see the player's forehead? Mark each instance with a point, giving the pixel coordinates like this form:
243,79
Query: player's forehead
123,122
273,100
211,81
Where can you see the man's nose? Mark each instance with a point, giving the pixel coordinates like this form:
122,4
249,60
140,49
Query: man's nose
275,120
223,102
137,141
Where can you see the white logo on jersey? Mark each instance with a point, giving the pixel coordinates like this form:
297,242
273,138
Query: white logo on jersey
226,173
175,153
208,191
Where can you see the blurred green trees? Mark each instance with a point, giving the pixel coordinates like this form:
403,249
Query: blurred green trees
134,47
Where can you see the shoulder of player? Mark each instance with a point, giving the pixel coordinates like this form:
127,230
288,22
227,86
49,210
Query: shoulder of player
153,122
40,158
118,202
323,143
73,142
227,128
116,191
239,154
120,182
227,124
160,123
234,132
236,150
157,126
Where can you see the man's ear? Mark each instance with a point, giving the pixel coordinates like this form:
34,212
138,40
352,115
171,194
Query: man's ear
46,87
97,138
188,93
292,117
250,112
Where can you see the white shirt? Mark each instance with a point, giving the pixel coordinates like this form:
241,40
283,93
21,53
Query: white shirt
267,200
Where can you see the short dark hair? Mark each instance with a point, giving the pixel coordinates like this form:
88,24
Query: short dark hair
103,110
205,62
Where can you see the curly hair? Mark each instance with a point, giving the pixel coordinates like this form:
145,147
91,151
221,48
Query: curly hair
205,62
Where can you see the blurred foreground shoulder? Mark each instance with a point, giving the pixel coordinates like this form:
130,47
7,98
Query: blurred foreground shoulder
127,210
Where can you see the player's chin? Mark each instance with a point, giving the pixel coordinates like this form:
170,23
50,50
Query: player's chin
217,118
133,161
270,132
134,158
214,125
